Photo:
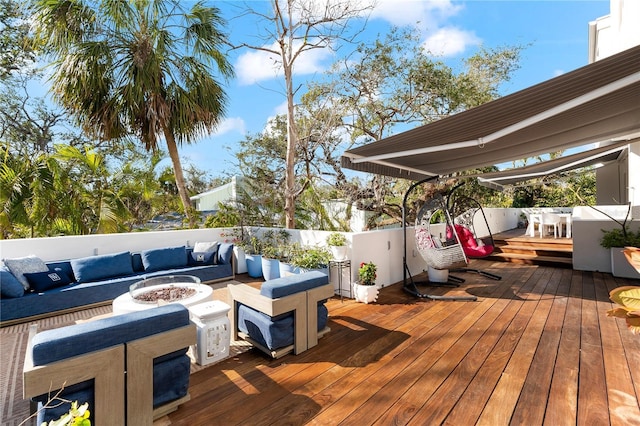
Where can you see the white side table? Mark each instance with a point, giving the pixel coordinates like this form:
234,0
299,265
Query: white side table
214,335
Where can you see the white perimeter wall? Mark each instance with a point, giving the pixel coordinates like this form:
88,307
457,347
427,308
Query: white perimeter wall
588,223
384,247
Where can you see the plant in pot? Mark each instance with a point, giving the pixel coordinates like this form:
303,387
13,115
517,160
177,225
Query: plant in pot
337,243
312,259
274,252
616,240
253,248
365,289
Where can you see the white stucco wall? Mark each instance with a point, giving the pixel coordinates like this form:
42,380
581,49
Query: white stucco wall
588,225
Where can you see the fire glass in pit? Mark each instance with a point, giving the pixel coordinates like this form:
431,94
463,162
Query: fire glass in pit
168,289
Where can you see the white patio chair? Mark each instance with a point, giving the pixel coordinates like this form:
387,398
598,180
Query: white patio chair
549,220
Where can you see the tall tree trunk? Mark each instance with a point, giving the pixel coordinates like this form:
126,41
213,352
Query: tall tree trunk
292,143
177,171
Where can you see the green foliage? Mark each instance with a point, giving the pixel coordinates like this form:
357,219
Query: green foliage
311,257
367,273
224,217
16,47
336,239
77,416
137,68
620,237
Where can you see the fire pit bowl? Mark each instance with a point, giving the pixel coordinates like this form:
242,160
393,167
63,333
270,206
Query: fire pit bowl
172,288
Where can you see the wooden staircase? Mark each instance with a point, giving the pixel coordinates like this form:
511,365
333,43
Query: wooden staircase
514,246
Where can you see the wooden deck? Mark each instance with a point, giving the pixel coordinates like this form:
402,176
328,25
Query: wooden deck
536,348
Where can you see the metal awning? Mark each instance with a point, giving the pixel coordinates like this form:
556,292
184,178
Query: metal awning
591,157
599,102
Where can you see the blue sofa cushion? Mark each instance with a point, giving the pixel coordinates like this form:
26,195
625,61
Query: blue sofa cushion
286,286
43,281
94,268
64,266
10,287
203,258
164,258
170,379
273,333
66,342
268,332
225,253
136,261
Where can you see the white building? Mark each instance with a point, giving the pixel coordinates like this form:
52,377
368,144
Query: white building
619,181
227,193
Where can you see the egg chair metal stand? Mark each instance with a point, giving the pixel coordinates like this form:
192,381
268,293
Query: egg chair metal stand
439,251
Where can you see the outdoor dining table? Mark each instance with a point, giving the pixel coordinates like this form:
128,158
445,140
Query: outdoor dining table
536,217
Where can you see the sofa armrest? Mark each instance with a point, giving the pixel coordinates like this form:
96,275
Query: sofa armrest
140,356
251,297
105,367
315,295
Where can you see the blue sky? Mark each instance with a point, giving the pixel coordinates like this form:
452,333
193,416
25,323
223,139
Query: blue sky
555,31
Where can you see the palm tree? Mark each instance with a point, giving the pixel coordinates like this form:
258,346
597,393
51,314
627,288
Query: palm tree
137,68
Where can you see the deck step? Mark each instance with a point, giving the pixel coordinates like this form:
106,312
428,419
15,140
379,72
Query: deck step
556,252
533,259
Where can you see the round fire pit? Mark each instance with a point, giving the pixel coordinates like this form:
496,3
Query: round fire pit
166,289
145,294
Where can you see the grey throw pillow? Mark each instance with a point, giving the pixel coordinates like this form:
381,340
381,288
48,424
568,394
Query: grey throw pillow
25,265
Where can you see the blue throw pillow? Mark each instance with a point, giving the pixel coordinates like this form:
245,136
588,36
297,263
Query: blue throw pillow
10,287
164,258
202,258
43,281
95,268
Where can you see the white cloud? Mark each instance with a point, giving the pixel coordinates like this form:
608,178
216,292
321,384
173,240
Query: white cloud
426,14
281,109
257,65
450,41
228,125
556,73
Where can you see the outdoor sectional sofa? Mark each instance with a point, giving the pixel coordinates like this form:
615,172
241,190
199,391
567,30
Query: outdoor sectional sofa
99,279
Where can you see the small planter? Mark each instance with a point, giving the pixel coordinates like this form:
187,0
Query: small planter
241,261
365,293
338,252
438,275
254,265
287,269
270,268
620,267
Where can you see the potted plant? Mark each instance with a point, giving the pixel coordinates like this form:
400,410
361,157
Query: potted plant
235,237
365,289
274,252
312,259
616,240
253,249
337,243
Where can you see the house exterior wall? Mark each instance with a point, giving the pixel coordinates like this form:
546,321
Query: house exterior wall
608,35
211,199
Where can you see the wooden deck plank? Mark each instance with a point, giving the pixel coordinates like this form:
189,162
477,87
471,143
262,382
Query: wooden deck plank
449,333
623,406
505,395
538,381
562,403
469,407
522,354
592,398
